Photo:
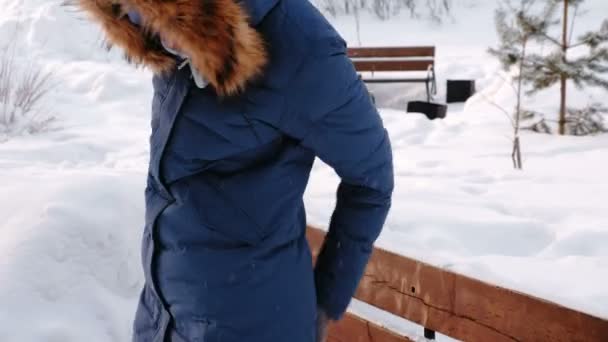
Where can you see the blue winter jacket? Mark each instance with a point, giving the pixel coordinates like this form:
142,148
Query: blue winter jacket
224,249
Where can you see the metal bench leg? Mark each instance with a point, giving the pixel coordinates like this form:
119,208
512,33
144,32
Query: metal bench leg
431,84
434,87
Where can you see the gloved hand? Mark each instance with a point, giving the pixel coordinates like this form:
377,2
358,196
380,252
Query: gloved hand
322,325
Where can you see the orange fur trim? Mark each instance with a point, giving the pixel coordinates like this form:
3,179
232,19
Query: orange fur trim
215,34
139,46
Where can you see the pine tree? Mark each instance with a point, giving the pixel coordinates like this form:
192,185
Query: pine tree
517,27
532,21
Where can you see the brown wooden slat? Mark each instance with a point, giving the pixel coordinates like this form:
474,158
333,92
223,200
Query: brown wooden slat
354,329
393,65
465,308
397,51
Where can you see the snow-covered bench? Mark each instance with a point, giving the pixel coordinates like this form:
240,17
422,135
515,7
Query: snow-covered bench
454,305
371,60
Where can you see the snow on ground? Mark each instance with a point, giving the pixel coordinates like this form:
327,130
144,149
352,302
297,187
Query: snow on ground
71,209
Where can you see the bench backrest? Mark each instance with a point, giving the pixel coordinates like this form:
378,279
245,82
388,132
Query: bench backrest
416,58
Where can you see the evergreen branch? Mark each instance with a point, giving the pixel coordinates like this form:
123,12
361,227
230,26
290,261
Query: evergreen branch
551,39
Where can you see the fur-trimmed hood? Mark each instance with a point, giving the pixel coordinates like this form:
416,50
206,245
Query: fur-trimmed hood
218,36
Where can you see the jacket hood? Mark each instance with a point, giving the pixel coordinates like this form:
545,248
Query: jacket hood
219,36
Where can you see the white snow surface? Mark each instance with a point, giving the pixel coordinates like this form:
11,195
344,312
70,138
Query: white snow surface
72,209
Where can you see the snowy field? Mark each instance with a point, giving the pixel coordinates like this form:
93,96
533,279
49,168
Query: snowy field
71,209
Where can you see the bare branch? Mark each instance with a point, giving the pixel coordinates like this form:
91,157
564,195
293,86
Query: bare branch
509,82
551,39
499,107
23,89
572,25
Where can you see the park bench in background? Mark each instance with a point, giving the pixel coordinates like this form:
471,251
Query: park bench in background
455,305
393,63
397,59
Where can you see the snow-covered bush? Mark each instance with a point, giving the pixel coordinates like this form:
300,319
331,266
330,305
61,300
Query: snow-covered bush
588,120
23,88
592,119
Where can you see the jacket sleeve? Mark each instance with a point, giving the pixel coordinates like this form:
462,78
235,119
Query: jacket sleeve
333,112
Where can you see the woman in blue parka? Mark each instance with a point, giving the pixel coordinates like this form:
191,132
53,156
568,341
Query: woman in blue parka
246,94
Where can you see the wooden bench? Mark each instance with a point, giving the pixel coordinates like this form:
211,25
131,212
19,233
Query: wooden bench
455,305
397,59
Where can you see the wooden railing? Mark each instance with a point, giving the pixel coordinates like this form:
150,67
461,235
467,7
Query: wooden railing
455,305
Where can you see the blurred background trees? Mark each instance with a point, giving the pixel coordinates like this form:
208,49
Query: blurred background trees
385,9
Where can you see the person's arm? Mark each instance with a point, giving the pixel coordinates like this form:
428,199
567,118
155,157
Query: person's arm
344,129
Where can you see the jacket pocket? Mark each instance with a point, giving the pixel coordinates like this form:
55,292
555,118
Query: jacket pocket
201,330
190,331
237,197
267,202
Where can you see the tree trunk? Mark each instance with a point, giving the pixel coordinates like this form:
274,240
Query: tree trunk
516,155
563,78
358,22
